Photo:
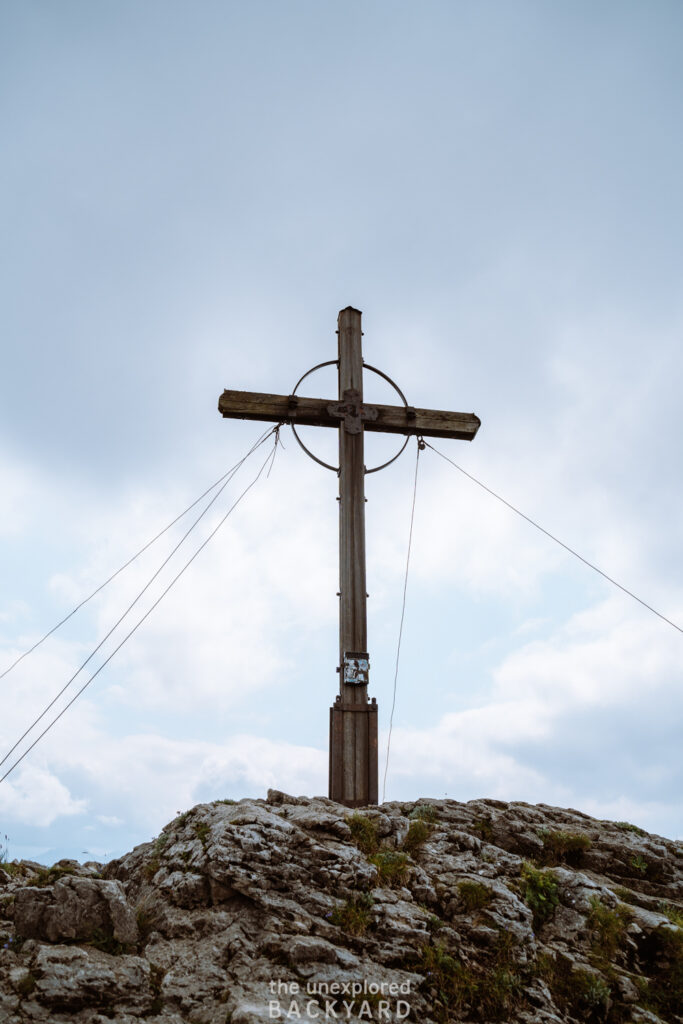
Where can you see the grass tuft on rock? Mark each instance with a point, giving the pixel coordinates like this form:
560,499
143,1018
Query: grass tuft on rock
626,826
561,847
583,994
418,834
392,866
202,832
675,914
638,864
434,924
26,985
12,868
452,983
151,867
474,895
607,928
363,833
48,876
354,916
540,892
491,994
424,812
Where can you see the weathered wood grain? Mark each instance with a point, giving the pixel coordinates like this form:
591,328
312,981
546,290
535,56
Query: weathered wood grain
391,419
353,632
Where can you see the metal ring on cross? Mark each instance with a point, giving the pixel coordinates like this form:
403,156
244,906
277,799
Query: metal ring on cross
373,369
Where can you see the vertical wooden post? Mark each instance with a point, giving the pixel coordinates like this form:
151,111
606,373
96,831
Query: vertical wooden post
353,722
353,630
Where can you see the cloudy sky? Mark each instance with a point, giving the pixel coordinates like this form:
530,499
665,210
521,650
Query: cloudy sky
191,192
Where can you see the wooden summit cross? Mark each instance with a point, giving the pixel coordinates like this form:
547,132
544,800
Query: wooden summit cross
353,719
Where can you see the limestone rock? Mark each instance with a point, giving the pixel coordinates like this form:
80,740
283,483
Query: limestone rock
71,978
75,909
498,911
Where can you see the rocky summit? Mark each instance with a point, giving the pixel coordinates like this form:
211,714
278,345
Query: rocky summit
298,909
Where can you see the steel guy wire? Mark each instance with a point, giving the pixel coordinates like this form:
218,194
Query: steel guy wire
557,540
142,619
126,564
130,607
420,446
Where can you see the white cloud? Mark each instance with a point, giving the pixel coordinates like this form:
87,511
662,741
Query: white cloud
223,629
588,717
35,796
607,655
19,492
33,684
143,780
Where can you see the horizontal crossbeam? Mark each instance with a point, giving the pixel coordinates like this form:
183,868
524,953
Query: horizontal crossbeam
319,412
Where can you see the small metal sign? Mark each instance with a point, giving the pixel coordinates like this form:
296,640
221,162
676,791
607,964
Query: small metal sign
356,667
